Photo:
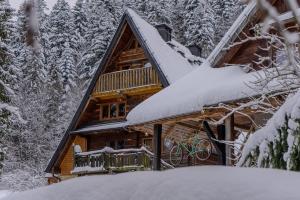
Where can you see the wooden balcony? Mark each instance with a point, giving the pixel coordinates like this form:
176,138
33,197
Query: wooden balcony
108,160
127,81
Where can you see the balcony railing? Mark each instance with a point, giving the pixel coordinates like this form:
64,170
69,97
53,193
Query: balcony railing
108,160
127,79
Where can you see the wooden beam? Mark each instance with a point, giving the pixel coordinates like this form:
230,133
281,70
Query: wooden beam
184,124
157,146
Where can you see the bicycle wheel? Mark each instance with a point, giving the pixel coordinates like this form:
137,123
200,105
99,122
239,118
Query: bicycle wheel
176,155
203,149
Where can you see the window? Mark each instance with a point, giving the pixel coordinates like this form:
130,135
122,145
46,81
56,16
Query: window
122,109
112,111
120,144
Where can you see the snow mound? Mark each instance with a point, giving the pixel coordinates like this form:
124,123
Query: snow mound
206,182
4,193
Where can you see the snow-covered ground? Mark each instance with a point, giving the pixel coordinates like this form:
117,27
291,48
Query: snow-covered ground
4,193
205,183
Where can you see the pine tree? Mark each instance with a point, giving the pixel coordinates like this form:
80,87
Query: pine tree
81,22
282,152
158,12
61,30
5,73
177,19
199,25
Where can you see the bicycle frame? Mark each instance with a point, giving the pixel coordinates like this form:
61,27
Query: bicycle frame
191,151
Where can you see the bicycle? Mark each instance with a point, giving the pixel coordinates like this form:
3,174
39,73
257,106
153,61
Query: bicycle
199,147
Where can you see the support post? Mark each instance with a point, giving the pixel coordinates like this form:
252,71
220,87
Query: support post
157,146
219,147
221,136
229,136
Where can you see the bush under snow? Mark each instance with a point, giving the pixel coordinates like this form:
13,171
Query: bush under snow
277,145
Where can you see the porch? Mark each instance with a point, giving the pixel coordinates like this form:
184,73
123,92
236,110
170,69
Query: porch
108,160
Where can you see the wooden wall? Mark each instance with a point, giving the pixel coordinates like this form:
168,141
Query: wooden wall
67,163
99,141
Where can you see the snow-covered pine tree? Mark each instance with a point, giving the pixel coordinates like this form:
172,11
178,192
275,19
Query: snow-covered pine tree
80,21
5,75
71,93
199,25
158,12
28,146
42,16
277,145
177,15
61,30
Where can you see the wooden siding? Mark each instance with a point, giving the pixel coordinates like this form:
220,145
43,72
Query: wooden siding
131,140
67,163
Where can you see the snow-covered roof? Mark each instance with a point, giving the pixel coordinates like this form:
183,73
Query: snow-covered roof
206,182
233,32
100,127
206,86
172,64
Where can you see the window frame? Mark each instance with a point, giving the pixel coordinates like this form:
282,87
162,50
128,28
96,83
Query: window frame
101,118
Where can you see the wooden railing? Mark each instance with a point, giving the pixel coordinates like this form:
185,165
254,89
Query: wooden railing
127,79
108,160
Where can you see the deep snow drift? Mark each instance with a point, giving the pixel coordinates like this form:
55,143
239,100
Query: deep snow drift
4,193
205,183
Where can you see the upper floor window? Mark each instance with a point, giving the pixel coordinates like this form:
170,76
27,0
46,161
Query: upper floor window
112,111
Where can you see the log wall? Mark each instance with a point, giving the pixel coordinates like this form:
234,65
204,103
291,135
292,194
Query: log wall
67,163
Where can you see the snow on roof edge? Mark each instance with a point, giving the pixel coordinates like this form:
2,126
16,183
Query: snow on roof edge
206,86
99,127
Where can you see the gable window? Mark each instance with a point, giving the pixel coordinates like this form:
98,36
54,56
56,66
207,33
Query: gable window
112,111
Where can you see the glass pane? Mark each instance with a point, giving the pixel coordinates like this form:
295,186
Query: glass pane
113,110
122,110
120,144
105,111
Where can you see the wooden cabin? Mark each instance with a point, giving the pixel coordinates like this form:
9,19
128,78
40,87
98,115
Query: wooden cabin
130,72
129,111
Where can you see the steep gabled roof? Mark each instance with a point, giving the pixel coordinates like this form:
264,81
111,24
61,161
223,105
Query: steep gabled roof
169,64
